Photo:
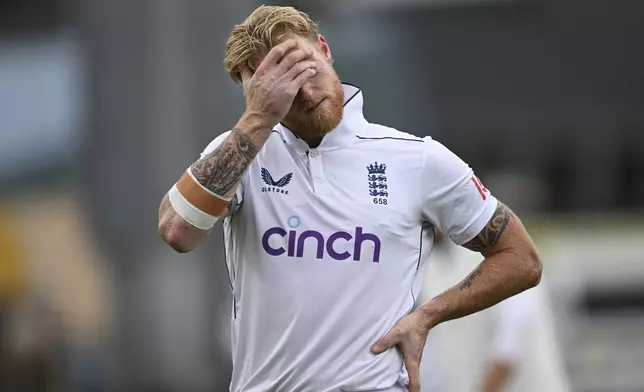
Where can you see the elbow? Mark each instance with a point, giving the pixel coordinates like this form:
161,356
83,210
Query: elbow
174,239
179,246
534,268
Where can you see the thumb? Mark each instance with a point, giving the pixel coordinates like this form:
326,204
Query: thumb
385,342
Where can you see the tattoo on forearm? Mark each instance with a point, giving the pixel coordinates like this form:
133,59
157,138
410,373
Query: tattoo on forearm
467,283
491,234
221,170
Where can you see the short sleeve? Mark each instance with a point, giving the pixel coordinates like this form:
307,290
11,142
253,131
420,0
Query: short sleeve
453,199
212,147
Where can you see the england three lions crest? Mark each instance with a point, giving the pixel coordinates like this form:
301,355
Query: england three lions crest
377,178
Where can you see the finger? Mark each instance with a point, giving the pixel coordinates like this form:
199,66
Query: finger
293,58
277,53
303,77
299,68
385,342
413,371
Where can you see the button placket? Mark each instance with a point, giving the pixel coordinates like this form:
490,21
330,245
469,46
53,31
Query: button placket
315,164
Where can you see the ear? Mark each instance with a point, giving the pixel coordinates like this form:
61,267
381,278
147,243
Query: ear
324,47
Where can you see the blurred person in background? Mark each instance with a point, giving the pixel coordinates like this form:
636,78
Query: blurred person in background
12,282
510,347
323,323
26,361
55,301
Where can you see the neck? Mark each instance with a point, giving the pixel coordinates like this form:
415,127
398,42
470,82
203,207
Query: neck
312,141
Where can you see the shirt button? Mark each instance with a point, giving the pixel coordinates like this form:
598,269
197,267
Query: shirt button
313,154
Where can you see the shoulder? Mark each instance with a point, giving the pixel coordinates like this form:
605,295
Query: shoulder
274,143
390,142
391,139
438,157
376,133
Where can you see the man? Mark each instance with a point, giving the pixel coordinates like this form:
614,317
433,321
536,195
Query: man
509,347
328,220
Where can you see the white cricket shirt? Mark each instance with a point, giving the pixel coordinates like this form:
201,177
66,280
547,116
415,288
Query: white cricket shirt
327,251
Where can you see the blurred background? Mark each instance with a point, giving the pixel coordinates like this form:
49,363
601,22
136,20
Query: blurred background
103,104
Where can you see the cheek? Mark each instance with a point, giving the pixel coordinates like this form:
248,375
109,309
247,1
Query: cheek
324,68
324,81
326,71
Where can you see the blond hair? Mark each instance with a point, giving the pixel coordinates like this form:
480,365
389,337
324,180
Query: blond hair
264,28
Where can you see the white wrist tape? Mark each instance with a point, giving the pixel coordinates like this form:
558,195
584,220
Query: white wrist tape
190,213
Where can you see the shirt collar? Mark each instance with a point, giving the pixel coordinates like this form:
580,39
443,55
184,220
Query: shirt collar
345,133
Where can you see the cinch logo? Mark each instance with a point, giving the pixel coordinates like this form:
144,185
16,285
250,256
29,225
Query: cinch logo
295,241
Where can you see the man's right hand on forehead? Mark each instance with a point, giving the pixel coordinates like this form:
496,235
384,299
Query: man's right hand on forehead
271,89
275,57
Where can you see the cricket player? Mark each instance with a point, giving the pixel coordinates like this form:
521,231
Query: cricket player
328,222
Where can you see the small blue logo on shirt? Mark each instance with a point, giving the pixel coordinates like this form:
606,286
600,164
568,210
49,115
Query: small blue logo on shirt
275,186
377,182
294,222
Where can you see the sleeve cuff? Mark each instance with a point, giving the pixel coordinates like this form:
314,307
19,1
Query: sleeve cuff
478,223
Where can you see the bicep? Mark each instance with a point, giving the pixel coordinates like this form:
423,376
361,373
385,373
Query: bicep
503,232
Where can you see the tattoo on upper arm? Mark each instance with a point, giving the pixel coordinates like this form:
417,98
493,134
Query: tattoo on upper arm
221,170
492,232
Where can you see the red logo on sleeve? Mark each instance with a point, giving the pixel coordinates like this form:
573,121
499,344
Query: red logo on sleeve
479,185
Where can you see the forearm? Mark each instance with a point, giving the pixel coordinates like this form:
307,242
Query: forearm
497,278
222,170
511,265
218,173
